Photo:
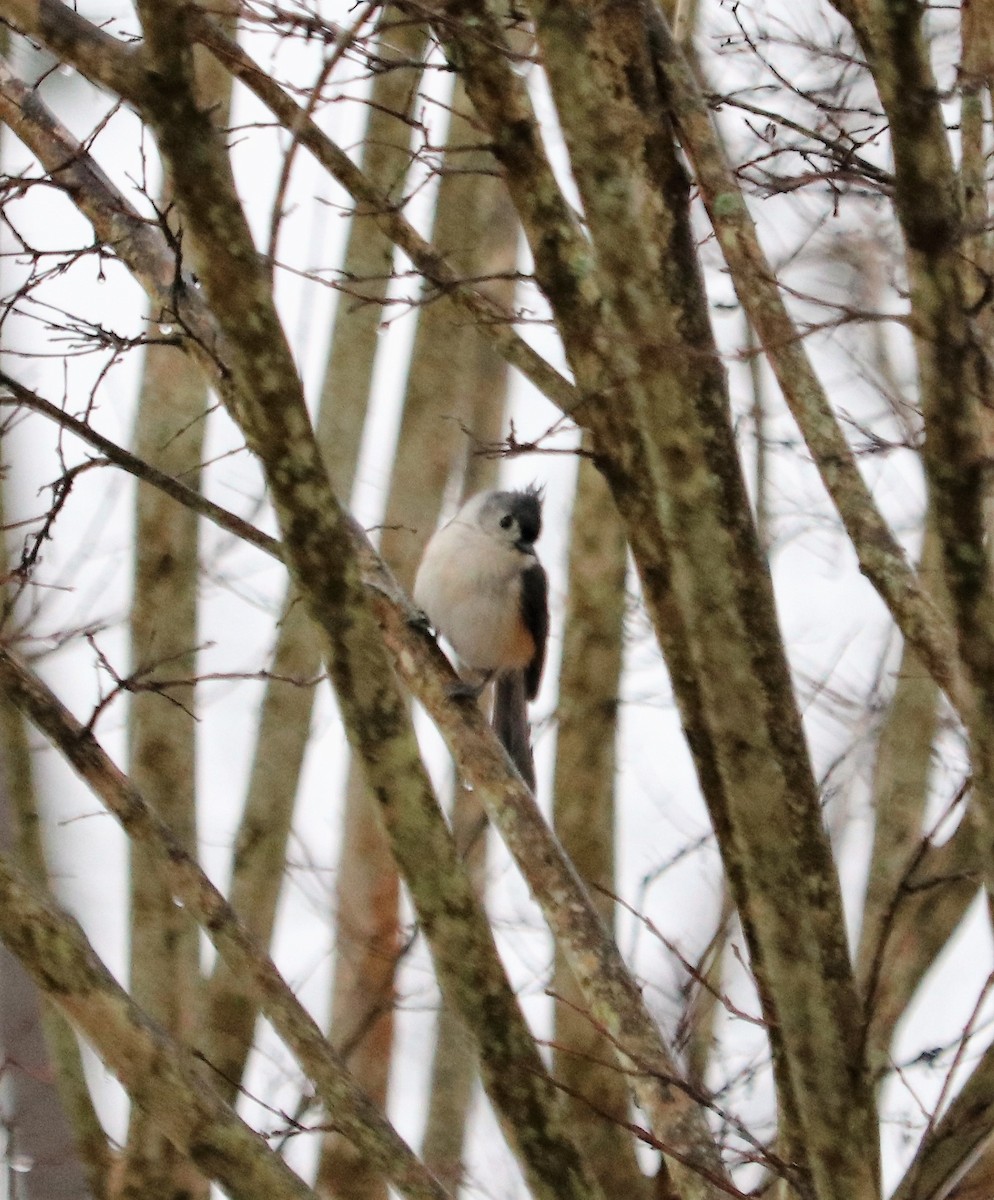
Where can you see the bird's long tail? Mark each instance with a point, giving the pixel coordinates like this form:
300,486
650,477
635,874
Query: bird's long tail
510,720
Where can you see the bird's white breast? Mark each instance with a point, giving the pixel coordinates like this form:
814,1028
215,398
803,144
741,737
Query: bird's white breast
469,584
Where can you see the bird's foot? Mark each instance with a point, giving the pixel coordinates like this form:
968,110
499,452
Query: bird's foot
417,618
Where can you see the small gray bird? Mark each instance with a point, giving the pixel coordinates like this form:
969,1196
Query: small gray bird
484,590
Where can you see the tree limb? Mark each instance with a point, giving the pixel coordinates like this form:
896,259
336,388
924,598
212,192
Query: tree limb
881,558
158,1073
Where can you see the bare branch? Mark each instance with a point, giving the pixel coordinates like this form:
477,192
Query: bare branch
494,321
158,1072
880,555
347,1106
104,59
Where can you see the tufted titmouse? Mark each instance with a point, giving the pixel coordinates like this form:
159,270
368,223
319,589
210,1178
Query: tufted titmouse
484,590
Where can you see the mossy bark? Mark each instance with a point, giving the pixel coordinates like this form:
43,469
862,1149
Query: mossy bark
288,699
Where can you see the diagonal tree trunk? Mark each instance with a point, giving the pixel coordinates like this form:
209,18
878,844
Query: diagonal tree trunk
263,392
955,375
159,1073
320,539
284,727
665,442
146,1061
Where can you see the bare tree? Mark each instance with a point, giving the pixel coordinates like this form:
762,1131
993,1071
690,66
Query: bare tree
813,185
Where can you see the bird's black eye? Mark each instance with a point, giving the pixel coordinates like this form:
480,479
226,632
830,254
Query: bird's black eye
506,521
